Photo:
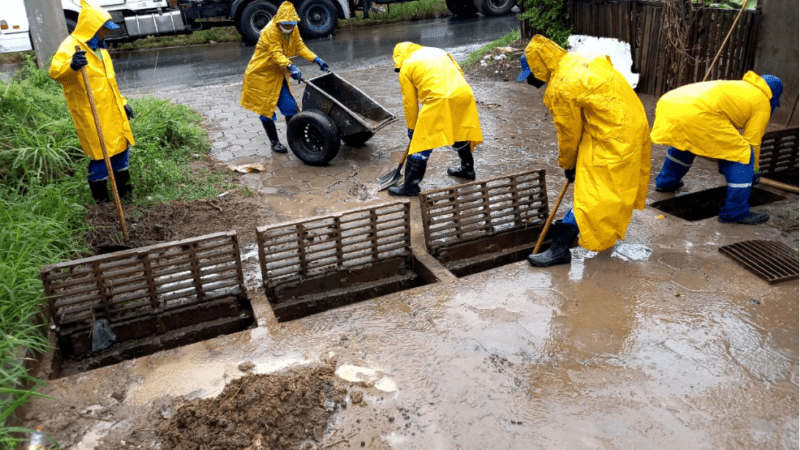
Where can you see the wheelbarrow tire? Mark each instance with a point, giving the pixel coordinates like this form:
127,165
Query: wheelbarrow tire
313,137
358,139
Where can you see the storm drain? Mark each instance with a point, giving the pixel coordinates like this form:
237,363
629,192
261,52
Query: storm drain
771,261
778,159
154,298
312,265
484,224
705,204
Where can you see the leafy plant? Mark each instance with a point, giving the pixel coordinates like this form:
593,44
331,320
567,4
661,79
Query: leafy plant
503,41
547,17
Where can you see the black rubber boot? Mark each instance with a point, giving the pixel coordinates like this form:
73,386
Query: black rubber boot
99,191
467,169
558,253
124,190
415,170
671,188
752,218
272,135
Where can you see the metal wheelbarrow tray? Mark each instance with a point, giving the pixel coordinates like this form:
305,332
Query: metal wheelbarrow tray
333,111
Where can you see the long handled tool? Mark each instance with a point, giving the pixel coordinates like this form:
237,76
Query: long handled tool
394,176
550,217
779,185
105,151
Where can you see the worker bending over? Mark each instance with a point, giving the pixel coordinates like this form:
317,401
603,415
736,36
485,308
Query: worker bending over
113,111
265,83
704,119
449,115
603,145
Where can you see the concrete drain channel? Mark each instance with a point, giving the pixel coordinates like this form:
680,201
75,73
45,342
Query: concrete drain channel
153,298
312,265
484,224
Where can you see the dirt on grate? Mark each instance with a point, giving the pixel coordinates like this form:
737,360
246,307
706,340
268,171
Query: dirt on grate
255,412
178,220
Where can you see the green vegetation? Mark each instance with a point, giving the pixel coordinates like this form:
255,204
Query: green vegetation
476,56
547,17
399,12
42,196
201,37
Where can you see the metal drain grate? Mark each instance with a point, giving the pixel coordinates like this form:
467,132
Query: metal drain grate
779,156
769,260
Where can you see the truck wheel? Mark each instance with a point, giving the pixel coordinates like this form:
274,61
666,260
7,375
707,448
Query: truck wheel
71,24
255,16
317,18
496,7
461,8
313,137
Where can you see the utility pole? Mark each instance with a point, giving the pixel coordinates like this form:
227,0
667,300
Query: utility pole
48,28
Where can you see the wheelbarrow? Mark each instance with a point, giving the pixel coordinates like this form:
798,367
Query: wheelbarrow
333,111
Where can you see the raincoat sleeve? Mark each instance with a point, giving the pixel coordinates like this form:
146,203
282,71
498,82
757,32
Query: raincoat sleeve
303,51
60,69
275,52
569,125
754,131
410,101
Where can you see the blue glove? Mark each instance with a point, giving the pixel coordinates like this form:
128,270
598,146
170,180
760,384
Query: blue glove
129,111
294,72
322,64
570,174
78,60
410,133
756,178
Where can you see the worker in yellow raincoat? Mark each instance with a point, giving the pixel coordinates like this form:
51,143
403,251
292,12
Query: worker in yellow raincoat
265,83
448,116
93,26
603,145
704,119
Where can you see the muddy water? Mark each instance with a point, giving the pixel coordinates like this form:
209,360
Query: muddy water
661,342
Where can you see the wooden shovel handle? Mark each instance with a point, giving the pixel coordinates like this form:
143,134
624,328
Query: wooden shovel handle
405,155
550,217
779,185
103,147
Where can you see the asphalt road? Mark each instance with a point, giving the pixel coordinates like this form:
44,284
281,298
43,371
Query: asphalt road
173,69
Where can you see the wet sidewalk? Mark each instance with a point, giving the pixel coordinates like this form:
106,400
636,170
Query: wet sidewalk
660,342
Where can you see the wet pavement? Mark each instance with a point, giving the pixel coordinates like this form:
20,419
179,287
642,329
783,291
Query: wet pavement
661,342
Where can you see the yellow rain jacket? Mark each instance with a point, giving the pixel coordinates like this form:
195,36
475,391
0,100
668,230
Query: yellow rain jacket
110,103
705,118
268,66
449,114
603,133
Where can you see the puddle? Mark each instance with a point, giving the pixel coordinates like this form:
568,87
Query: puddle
578,264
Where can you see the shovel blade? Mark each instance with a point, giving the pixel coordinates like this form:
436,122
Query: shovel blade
390,178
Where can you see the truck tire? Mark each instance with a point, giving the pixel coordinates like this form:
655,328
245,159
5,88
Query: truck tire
313,137
255,16
496,7
461,8
317,18
71,24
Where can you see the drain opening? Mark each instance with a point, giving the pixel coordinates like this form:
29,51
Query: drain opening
771,261
153,298
313,265
477,226
706,204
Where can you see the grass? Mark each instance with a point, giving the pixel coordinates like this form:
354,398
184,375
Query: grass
43,194
399,12
201,37
503,41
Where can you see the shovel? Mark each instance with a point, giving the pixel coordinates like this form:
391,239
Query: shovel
105,151
395,175
550,217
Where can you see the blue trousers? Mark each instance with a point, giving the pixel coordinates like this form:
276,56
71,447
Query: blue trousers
738,176
119,162
424,155
286,104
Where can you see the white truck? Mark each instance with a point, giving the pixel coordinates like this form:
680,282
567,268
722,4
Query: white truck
140,18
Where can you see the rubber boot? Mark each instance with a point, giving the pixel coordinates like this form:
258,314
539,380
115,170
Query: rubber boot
272,135
99,190
752,218
124,190
415,170
467,169
558,253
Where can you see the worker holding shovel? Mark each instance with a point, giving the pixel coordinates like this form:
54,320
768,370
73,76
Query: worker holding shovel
112,109
704,119
265,83
448,116
603,145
